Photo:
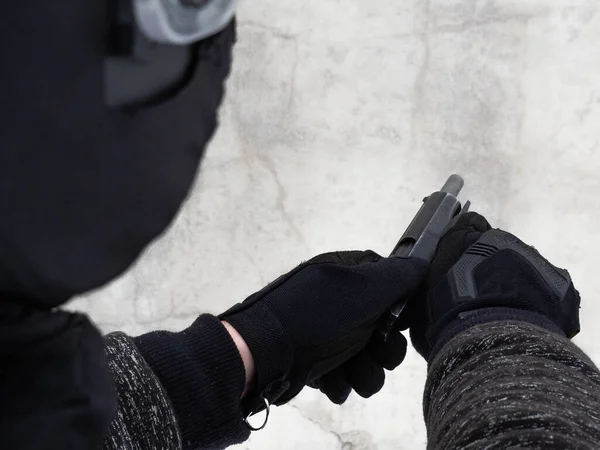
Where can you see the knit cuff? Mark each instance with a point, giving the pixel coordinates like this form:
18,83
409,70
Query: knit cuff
469,319
204,376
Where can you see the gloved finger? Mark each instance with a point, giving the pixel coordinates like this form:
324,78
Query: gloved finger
335,386
475,225
342,259
467,230
364,375
398,278
346,258
388,353
412,309
368,289
472,221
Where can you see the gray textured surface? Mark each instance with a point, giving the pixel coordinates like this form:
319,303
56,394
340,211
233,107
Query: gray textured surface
340,116
485,390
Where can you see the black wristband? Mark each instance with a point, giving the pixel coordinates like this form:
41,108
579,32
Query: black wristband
469,319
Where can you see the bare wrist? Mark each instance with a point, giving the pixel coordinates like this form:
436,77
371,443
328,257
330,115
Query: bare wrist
245,354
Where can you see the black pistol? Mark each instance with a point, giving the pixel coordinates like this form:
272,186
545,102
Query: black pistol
437,214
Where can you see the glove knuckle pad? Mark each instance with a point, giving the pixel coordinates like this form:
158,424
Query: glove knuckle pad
496,241
499,266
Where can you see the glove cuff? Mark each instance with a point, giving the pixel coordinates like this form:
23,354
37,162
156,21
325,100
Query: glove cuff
203,374
271,350
468,319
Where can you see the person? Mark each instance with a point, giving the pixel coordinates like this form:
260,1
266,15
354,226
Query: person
87,187
502,370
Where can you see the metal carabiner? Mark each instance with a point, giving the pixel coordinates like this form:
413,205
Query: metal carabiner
264,424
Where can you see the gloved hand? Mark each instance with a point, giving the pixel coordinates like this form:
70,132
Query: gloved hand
315,325
479,275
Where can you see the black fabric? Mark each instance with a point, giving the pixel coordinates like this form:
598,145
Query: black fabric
55,391
505,281
315,325
86,188
203,375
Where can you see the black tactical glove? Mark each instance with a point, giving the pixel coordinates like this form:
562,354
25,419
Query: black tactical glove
315,326
479,275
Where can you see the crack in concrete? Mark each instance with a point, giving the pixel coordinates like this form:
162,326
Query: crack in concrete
421,75
469,24
292,92
268,29
257,267
252,150
344,444
269,165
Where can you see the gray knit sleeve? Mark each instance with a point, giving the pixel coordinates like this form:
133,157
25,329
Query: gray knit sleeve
512,385
145,419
